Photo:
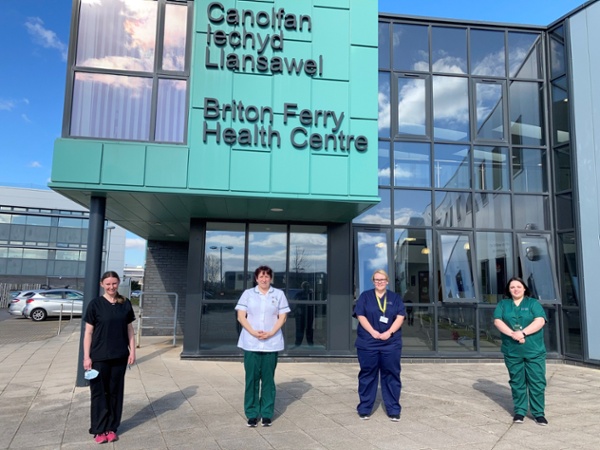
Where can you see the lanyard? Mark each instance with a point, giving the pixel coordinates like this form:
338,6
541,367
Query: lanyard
382,308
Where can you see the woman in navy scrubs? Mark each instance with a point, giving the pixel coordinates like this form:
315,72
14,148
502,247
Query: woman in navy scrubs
380,315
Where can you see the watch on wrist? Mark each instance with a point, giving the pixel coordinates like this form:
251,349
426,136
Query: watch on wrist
391,333
524,335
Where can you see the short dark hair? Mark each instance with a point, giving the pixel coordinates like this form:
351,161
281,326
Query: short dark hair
527,293
261,269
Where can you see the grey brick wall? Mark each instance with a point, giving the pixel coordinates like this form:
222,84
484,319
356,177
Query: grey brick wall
166,271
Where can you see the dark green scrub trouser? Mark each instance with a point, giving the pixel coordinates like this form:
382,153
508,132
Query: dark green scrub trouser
527,383
259,397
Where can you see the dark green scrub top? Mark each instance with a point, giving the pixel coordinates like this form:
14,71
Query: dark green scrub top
518,318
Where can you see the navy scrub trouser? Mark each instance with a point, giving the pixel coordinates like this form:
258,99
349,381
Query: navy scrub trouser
373,364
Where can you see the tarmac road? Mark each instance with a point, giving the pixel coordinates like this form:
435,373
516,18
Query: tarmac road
15,329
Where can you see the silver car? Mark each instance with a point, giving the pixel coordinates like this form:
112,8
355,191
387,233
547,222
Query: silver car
53,303
17,303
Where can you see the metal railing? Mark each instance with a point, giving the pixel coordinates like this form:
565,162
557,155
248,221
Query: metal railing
61,314
141,316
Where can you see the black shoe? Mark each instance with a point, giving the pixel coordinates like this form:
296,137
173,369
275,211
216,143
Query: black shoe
518,418
364,416
395,417
252,422
541,420
266,422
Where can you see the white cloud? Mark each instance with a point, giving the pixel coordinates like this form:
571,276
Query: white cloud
35,164
6,105
44,37
25,118
135,243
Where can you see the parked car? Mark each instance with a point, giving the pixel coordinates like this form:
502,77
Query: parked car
17,304
48,304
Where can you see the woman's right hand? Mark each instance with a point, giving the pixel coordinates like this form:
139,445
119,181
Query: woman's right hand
87,363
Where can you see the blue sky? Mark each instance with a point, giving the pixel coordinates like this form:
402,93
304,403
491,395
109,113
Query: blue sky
34,36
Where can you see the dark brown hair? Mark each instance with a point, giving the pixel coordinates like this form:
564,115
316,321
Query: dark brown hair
261,269
507,288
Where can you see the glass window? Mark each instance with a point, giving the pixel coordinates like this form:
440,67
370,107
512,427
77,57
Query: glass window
564,206
457,280
492,210
379,214
524,55
171,110
529,170
18,219
418,334
117,35
456,329
449,50
39,221
562,169
572,332
36,234
531,212
224,276
526,113
219,328
491,168
67,222
383,162
453,209
557,58
487,53
31,253
372,255
267,245
412,207
384,45
384,102
490,339
412,99
411,47
173,57
306,328
412,164
111,106
494,264
451,108
569,273
452,166
412,265
536,267
560,111
490,111
68,255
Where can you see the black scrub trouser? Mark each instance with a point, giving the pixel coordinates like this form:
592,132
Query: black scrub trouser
107,395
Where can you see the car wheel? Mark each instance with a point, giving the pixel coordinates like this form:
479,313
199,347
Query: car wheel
37,315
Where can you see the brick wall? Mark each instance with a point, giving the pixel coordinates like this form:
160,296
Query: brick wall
166,271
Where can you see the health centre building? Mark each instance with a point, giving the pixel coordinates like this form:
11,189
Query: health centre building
328,140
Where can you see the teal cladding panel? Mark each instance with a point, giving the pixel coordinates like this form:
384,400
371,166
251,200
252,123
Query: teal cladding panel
292,89
76,161
332,96
250,171
332,42
329,175
208,82
363,25
340,4
291,168
361,163
363,106
253,90
121,164
166,166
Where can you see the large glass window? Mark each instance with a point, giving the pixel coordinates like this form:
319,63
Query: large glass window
412,164
372,251
536,266
562,169
412,106
449,50
224,270
487,53
452,166
451,108
384,170
531,212
456,329
457,280
412,265
384,105
526,113
384,45
491,168
411,47
524,55
453,209
560,111
380,214
492,210
490,111
412,207
529,170
494,264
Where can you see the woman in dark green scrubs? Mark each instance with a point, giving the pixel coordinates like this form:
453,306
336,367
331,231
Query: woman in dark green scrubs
521,319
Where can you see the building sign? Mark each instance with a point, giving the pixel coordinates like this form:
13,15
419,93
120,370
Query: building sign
247,41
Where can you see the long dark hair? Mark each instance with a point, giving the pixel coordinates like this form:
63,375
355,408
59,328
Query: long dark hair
112,274
507,293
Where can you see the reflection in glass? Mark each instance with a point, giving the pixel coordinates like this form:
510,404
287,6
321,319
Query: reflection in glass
307,277
224,262
564,219
418,330
412,106
490,111
384,45
411,47
456,329
384,102
494,264
557,58
412,207
380,214
171,111
453,209
372,255
531,212
383,163
450,108
111,106
457,273
536,267
560,111
452,166
562,169
117,35
529,170
569,273
449,50
524,54
305,330
267,245
491,168
572,332
175,38
219,328
490,339
526,113
492,210
487,53
412,164
412,264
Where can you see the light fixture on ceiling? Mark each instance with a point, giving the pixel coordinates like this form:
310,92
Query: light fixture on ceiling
277,209
425,251
467,246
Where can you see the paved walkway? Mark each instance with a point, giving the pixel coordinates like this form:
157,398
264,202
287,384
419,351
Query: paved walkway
184,404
